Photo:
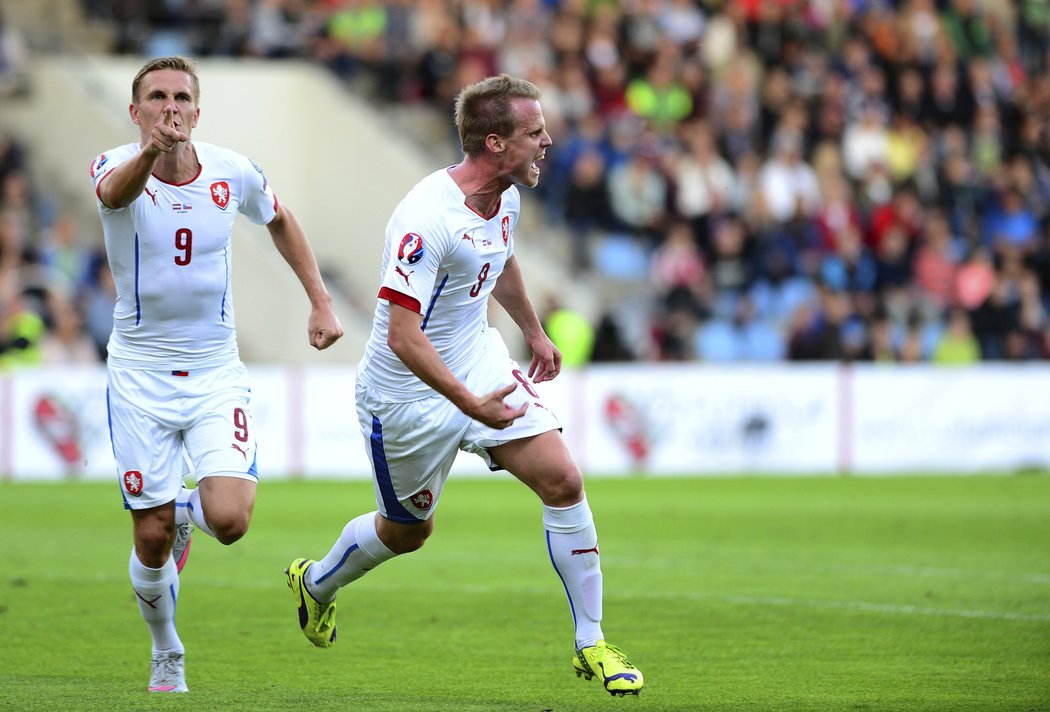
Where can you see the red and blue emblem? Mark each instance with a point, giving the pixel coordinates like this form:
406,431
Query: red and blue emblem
410,251
97,164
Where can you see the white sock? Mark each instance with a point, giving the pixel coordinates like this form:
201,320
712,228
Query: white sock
188,509
157,591
357,551
572,542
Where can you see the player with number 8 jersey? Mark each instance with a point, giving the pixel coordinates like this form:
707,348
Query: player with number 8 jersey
436,379
443,267
177,390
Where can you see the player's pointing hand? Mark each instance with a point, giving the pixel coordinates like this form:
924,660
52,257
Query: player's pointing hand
165,135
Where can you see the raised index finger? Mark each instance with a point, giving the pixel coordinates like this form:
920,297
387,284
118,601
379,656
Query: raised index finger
169,116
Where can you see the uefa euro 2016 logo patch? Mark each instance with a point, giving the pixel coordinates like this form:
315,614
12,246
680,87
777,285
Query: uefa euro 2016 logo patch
96,165
411,249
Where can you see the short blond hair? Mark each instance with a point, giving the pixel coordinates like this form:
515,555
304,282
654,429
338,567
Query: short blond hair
485,108
181,64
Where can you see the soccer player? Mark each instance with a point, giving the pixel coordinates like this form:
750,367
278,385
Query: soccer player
176,386
435,378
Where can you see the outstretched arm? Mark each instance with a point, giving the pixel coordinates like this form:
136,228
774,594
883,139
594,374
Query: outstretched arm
511,294
323,327
126,182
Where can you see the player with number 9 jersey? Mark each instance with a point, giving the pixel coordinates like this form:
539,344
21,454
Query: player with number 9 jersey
178,396
171,259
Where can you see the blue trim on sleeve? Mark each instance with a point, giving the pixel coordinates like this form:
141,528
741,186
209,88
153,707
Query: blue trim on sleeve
433,300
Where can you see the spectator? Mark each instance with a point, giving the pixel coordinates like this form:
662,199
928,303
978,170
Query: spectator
935,262
974,279
97,301
609,345
14,62
788,185
703,181
21,332
994,320
638,196
571,332
587,205
660,97
957,346
66,343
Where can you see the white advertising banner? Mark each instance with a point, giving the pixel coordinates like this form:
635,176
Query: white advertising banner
329,439
53,425
919,419
658,419
689,419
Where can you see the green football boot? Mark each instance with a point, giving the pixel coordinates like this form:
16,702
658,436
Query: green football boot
317,620
606,661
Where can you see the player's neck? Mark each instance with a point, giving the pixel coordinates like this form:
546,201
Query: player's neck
178,167
482,189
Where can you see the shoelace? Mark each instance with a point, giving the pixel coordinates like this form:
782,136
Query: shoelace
618,654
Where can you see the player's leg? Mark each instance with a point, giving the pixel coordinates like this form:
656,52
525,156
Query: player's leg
365,542
544,464
155,581
221,445
148,454
227,503
411,448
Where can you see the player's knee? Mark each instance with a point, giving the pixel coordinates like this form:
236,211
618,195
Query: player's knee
231,529
406,545
405,539
562,488
152,544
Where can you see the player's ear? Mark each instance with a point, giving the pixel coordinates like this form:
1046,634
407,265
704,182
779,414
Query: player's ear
495,143
196,118
134,111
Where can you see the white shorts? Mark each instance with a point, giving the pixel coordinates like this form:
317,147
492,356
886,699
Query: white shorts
412,445
160,420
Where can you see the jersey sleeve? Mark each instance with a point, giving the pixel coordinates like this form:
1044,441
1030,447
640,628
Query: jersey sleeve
102,166
258,202
416,245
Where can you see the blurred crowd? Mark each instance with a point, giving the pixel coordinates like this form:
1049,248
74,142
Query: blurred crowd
56,293
778,179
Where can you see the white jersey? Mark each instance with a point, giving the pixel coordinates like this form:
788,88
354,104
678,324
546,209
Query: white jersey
170,255
442,260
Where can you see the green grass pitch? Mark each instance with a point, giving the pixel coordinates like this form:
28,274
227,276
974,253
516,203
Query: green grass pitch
753,593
